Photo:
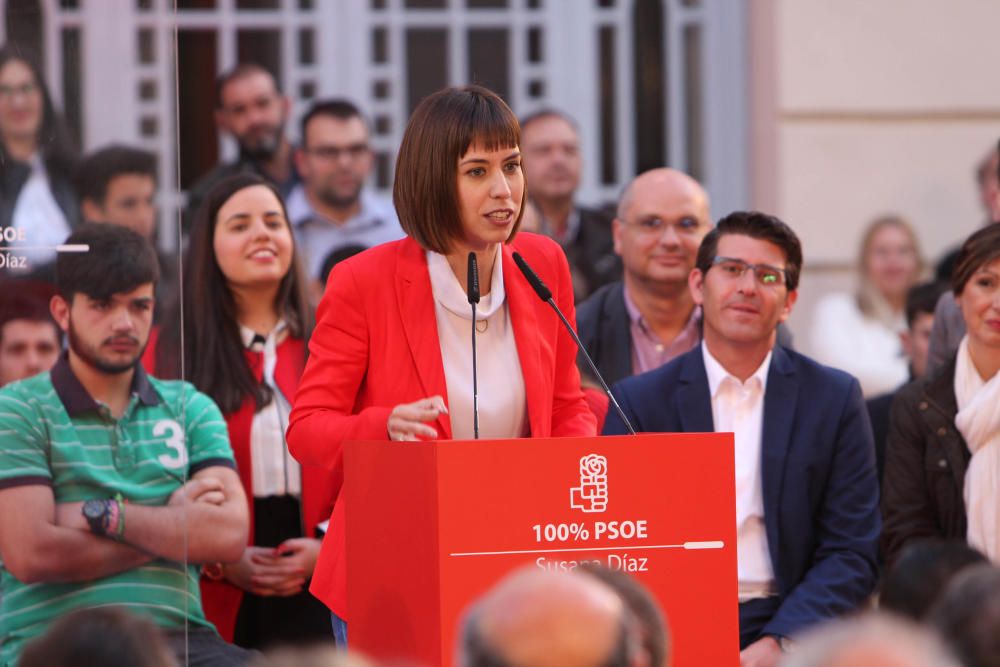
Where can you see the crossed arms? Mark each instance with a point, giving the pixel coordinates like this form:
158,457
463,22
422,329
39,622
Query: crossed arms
42,541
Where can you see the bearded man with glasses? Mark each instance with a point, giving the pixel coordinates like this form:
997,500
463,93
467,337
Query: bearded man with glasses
806,488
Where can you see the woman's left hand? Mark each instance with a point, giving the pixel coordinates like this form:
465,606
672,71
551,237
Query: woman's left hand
301,552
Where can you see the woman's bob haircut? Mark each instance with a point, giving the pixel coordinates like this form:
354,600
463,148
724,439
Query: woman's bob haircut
441,130
980,249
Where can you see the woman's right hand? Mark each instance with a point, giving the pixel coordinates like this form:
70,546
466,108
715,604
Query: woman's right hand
407,420
262,571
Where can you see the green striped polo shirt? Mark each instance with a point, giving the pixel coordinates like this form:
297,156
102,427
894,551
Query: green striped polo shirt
52,432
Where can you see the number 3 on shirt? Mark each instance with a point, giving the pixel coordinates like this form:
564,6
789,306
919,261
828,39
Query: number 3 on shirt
178,457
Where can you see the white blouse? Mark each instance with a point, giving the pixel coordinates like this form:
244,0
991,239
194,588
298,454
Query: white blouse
502,404
275,472
39,216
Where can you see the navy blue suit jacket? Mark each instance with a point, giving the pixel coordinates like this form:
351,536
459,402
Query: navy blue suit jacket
818,474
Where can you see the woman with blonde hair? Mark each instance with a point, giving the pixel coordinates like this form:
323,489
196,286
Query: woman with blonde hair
860,332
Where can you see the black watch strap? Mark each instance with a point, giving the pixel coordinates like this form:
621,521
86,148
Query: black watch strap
97,512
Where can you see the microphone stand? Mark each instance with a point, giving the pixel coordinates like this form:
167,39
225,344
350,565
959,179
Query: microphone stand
472,284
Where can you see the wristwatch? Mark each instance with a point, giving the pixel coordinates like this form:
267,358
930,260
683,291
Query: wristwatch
98,514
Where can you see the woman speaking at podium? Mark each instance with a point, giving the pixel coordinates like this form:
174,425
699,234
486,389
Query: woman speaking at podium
391,354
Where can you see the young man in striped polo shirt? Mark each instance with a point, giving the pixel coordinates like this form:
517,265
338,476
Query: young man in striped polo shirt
114,485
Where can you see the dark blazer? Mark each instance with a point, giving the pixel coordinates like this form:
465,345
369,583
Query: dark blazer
925,463
818,470
605,330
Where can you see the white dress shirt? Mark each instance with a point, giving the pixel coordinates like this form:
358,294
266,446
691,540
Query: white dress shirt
502,408
738,407
275,472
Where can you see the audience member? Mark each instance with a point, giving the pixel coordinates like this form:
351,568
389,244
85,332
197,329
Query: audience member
552,163
245,323
117,185
806,487
949,325
920,302
988,184
389,359
36,164
250,108
331,208
859,333
968,614
94,506
922,571
871,640
649,317
320,656
101,637
654,635
316,287
535,618
944,430
30,340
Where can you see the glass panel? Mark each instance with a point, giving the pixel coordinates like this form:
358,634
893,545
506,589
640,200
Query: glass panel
307,89
536,88
307,46
605,3
535,52
534,4
257,4
72,77
426,63
69,4
194,4
307,5
378,4
147,46
147,90
606,106
380,45
144,5
381,89
693,113
486,4
649,85
425,4
383,124
195,49
383,170
489,60
24,30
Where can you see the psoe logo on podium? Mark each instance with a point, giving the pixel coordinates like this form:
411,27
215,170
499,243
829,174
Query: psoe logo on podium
592,494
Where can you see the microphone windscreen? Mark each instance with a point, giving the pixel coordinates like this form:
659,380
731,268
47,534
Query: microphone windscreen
473,279
543,292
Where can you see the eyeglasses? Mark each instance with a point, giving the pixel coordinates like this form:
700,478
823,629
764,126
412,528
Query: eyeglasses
354,151
26,89
767,275
655,226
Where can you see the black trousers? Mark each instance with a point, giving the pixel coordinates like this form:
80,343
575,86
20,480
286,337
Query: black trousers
268,621
754,615
202,647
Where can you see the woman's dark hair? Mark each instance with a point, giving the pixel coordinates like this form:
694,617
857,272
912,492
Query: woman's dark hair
213,358
978,250
57,149
100,637
759,226
441,130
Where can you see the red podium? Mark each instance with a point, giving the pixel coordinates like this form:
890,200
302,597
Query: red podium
431,526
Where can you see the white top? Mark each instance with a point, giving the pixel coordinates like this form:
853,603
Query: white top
275,472
37,213
843,337
503,409
317,237
738,407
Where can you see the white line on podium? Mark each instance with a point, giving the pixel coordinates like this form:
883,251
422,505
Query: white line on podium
692,546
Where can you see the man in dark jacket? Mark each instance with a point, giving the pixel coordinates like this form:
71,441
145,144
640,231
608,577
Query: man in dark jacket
648,318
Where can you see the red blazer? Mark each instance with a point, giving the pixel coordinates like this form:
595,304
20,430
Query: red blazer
221,600
375,346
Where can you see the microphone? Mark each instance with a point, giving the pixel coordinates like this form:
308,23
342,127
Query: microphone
545,294
472,286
